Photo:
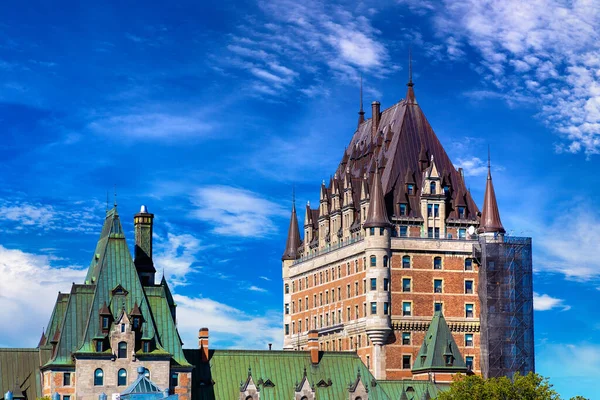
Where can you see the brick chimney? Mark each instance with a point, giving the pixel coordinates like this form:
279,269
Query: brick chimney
203,344
375,110
142,226
313,346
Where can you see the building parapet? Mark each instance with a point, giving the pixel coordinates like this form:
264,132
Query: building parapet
433,244
328,249
423,325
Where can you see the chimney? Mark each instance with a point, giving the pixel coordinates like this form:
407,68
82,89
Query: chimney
142,225
313,346
375,110
203,344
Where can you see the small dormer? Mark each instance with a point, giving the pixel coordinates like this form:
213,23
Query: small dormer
248,389
136,318
105,318
304,390
358,390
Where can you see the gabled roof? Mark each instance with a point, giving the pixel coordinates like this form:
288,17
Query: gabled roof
438,344
141,385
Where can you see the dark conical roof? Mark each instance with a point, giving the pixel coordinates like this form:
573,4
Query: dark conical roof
377,215
293,239
490,216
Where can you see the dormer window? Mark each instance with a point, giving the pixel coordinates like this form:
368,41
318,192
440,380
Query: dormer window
99,346
146,347
122,328
449,360
410,189
461,212
136,323
105,322
432,188
403,209
446,189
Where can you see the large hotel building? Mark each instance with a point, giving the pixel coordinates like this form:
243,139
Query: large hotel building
396,236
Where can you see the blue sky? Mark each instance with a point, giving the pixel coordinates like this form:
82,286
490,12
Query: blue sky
210,113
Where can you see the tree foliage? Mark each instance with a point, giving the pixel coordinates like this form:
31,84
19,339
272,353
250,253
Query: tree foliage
521,387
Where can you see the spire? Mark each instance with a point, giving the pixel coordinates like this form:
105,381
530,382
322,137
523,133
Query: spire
43,339
490,216
361,113
377,215
293,239
410,93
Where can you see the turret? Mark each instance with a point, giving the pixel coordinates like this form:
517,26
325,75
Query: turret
293,238
142,223
490,216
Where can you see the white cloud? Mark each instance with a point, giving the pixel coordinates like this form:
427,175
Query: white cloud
257,289
177,255
544,52
544,302
152,125
28,288
227,325
473,166
236,212
308,38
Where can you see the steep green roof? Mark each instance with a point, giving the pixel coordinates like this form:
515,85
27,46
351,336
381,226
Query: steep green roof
226,370
20,367
112,280
437,346
413,390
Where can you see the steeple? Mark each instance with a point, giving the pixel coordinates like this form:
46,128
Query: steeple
377,215
293,238
490,216
410,93
361,113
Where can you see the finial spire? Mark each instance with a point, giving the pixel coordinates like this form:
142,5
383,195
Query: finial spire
115,196
361,113
490,215
489,162
410,82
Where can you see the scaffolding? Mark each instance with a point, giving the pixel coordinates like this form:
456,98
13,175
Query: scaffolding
506,298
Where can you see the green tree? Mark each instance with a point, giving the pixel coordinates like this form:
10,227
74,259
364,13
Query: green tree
528,387
579,398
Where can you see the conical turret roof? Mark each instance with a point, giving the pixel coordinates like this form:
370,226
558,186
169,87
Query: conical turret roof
490,216
377,215
293,238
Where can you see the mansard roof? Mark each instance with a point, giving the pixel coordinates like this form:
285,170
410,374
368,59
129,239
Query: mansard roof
77,324
220,377
404,137
438,344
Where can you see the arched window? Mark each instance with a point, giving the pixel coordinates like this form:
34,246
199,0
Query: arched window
432,188
122,377
385,261
98,377
122,350
406,262
373,261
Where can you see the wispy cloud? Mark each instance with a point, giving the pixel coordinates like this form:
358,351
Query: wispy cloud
307,39
29,287
236,212
542,52
152,126
544,302
177,255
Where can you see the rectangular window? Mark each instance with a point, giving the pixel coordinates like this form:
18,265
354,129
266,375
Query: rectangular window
462,233
299,325
437,233
406,338
436,210
348,290
339,271
373,283
437,286
429,210
461,212
403,209
469,340
469,310
406,262
321,299
293,327
406,284
314,300
437,263
287,308
122,328
373,261
356,312
364,309
146,346
468,264
406,362
429,232
327,297
469,287
293,286
104,322
406,309
365,286
356,288
386,308
403,231
410,188
67,379
437,306
66,397
339,293
99,346
373,308
372,231
349,316
299,304
293,307
333,295
469,362
386,284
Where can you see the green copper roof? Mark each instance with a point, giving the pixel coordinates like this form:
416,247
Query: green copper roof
20,367
439,344
228,369
413,390
112,279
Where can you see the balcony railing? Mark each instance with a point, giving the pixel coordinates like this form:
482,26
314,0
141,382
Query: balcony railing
329,249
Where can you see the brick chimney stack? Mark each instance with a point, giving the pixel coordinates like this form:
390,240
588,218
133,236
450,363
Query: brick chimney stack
203,343
313,346
375,110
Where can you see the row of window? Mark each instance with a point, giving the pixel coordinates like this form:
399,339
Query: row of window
437,263
324,320
406,339
438,285
122,348
407,362
121,377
